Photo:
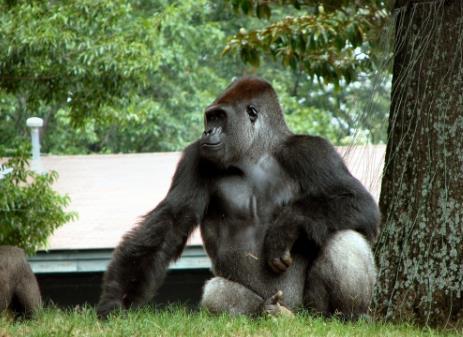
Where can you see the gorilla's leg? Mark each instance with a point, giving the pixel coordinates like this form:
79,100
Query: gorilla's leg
342,278
316,296
224,296
19,290
28,293
221,295
5,294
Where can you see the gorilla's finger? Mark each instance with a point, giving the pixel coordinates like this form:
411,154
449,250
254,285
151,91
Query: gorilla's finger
281,264
277,298
277,265
287,259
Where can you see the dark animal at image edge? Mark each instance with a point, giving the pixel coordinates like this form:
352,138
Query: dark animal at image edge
285,224
19,290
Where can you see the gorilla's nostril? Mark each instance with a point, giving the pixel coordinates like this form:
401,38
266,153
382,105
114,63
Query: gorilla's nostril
213,131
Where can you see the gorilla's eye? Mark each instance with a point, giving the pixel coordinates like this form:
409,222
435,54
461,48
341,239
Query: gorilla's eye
252,112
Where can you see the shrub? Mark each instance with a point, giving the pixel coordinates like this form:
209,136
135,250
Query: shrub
30,210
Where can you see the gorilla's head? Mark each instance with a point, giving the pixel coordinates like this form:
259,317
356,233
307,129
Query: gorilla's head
244,122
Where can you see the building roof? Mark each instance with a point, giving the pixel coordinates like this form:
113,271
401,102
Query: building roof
111,192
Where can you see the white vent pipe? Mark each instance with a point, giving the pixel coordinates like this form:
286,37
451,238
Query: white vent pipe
35,124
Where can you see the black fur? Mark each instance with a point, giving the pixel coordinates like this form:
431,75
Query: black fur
331,199
255,189
19,290
140,261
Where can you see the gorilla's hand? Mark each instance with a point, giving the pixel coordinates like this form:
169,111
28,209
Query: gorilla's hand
281,263
277,250
279,241
105,308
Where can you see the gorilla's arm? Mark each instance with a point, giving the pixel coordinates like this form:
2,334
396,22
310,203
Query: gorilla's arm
331,200
139,263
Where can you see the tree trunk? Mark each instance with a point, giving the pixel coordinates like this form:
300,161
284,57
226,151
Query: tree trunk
420,249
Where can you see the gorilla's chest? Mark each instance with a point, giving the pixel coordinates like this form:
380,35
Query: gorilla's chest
256,192
241,209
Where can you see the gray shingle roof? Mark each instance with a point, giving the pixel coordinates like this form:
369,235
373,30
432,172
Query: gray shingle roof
111,192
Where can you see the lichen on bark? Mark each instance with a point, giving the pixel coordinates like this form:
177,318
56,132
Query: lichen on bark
420,248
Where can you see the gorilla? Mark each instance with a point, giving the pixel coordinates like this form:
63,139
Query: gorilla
19,291
285,224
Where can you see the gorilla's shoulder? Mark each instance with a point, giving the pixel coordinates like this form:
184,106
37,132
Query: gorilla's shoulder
307,157
306,147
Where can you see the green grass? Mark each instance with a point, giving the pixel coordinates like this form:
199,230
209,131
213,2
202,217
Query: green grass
181,322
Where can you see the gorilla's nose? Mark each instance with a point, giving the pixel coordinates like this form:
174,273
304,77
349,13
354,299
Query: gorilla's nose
212,136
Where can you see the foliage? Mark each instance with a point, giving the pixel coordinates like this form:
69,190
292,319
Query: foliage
334,47
82,55
155,109
160,89
329,42
178,321
30,210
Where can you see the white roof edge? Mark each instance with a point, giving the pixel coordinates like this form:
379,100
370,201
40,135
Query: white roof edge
97,260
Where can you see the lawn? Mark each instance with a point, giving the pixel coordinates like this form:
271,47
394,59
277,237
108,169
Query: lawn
178,321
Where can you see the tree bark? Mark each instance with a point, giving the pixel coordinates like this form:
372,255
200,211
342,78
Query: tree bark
420,248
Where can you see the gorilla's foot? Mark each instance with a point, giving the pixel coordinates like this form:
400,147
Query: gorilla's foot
273,307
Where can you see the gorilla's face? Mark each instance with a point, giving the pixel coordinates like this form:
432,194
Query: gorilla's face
242,123
229,133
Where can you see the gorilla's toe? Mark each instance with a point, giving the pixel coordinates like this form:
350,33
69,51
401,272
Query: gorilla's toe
273,307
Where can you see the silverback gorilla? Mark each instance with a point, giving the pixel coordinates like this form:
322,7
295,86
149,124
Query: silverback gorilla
284,223
19,291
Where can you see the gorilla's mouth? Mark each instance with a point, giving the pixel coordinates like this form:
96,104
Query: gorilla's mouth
212,146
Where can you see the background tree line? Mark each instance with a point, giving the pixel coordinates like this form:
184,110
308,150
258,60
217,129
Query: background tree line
114,76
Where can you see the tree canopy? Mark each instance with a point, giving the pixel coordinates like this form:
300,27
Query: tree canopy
85,55
327,40
118,76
